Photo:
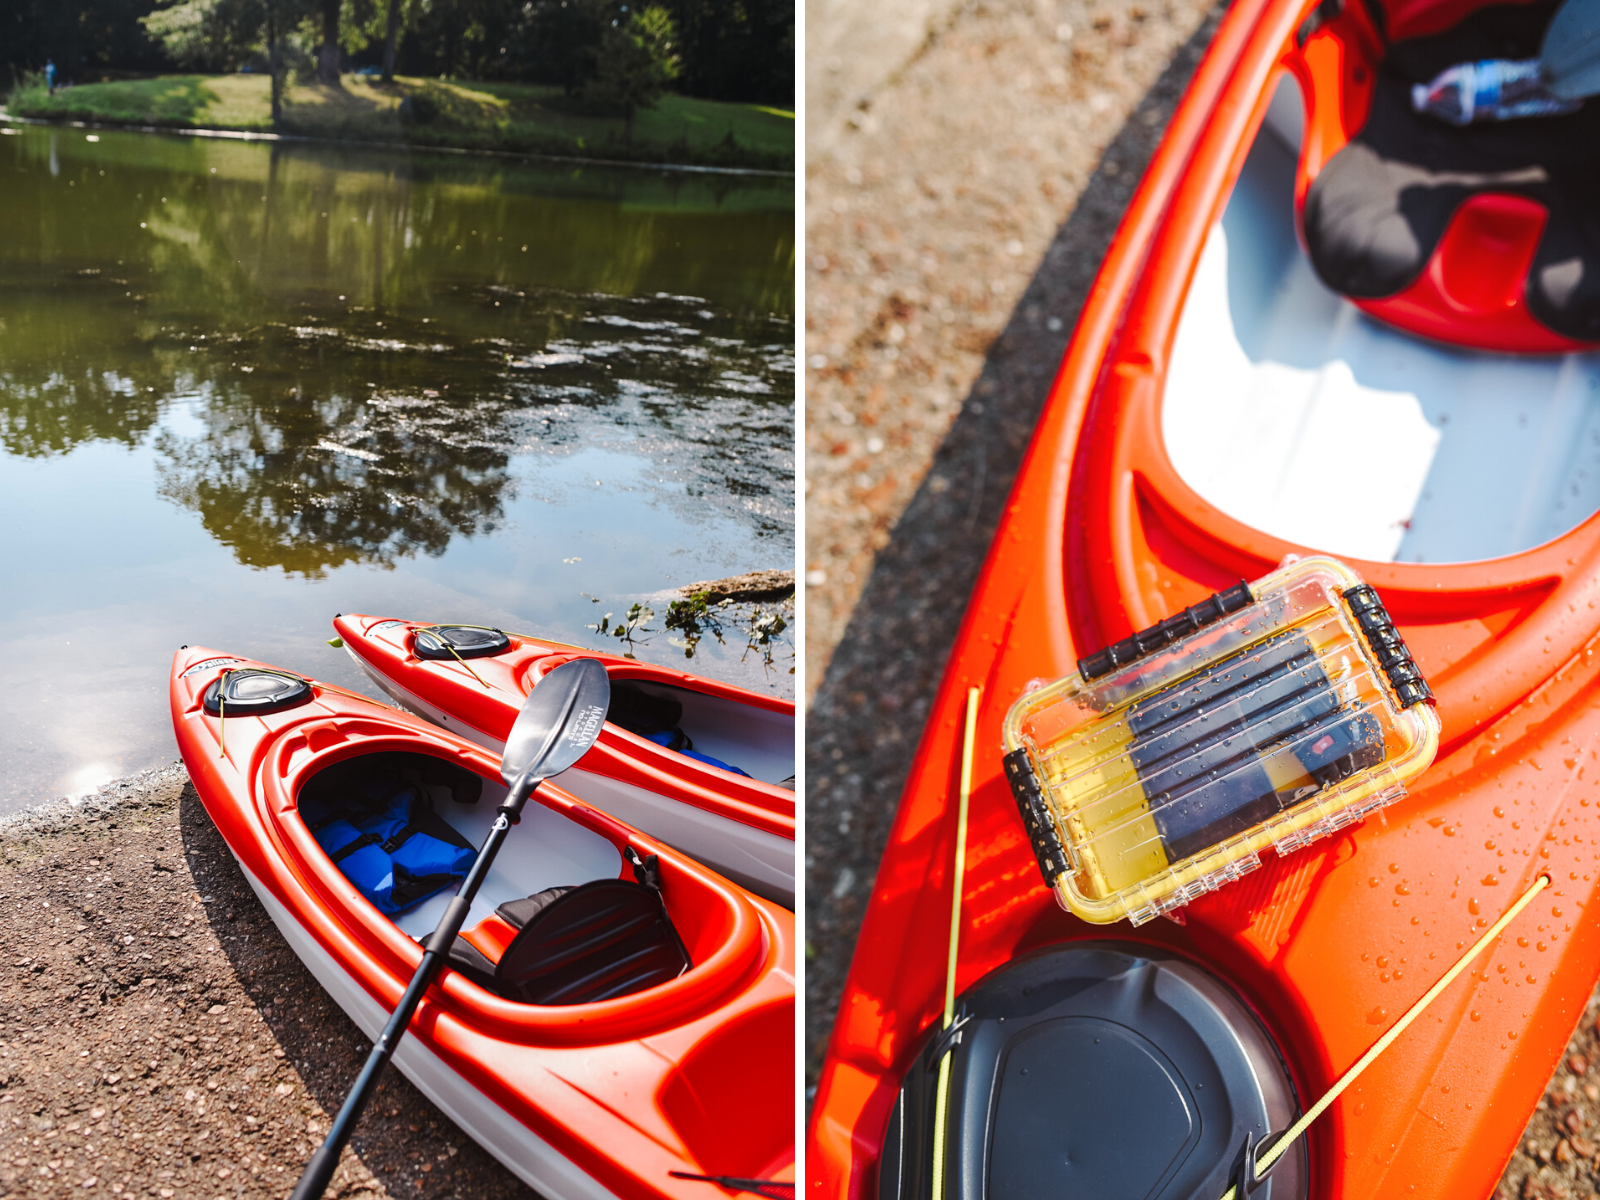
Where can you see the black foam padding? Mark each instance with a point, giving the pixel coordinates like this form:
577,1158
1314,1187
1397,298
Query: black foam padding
450,642
518,913
471,962
1096,1069
248,693
1376,212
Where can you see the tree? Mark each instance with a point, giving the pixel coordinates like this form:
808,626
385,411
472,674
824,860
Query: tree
219,35
633,64
391,40
328,55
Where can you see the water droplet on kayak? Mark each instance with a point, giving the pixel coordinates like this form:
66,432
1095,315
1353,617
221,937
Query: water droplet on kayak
1522,941
1376,1016
1533,978
1512,1035
1394,868
1472,906
1449,831
1498,811
1474,1015
1374,881
1401,889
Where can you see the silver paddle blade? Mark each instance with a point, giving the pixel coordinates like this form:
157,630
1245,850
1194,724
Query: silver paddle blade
559,721
1570,58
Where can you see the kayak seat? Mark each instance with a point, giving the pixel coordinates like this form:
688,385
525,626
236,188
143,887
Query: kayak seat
1449,229
574,945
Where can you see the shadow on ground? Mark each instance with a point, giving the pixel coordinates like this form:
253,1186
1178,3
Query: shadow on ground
863,728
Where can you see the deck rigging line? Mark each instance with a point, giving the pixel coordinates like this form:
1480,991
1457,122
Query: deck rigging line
941,1104
1281,1146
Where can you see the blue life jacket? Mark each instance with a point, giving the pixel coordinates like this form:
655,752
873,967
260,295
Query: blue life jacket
392,862
674,739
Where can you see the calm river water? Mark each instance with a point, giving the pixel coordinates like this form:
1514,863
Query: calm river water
244,387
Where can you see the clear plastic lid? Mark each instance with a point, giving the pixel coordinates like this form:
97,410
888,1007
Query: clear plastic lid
1269,715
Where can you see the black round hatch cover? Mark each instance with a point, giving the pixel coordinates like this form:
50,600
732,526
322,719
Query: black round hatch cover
466,641
1099,1069
252,693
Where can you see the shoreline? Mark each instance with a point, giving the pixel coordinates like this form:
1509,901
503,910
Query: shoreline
159,1037
245,135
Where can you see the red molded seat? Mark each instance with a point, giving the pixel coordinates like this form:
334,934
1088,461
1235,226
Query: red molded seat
1487,236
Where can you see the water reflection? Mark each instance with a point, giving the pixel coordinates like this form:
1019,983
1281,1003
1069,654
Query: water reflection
326,363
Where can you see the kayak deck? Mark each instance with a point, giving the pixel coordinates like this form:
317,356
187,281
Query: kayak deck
1437,454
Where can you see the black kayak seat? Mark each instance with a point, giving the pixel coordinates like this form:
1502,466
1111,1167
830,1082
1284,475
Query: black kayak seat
578,945
1377,212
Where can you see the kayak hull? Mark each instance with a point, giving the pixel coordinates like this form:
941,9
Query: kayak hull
582,1101
1327,946
742,828
532,1159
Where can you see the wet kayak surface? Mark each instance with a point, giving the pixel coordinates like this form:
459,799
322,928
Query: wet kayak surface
244,387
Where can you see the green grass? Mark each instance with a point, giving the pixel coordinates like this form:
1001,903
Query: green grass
484,116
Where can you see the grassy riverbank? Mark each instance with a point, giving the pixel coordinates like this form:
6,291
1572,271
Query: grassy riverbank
477,116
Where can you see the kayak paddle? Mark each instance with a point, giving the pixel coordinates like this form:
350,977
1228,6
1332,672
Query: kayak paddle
559,721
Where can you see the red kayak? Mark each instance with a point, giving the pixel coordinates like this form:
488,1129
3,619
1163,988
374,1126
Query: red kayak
1244,385
703,765
669,1050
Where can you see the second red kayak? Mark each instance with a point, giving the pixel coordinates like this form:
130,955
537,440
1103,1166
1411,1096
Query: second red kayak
705,766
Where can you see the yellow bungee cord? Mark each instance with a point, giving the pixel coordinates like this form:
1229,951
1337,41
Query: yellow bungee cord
445,642
1281,1146
941,1103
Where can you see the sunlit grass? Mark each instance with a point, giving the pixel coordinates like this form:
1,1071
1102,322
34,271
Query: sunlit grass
498,116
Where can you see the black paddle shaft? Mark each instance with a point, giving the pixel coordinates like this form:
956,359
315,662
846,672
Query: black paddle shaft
323,1163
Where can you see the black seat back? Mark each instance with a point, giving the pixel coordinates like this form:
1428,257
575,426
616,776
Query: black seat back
598,941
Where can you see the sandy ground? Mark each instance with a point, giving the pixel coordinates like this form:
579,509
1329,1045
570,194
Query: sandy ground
159,1038
954,224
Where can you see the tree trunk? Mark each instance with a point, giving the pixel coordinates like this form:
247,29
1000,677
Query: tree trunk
328,59
391,40
274,65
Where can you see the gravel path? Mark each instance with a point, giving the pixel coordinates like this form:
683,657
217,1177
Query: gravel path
953,228
159,1038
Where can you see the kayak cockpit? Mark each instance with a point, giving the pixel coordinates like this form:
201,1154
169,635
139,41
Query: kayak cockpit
714,729
1478,234
1369,441
403,828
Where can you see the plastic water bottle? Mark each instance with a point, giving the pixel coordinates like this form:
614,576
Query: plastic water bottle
1495,89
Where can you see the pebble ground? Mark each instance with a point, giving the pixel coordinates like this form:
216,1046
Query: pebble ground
159,1038
954,225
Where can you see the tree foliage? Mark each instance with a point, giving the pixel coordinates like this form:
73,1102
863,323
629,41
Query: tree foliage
740,50
633,64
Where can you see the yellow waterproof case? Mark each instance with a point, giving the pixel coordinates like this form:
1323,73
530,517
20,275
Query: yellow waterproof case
1269,715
